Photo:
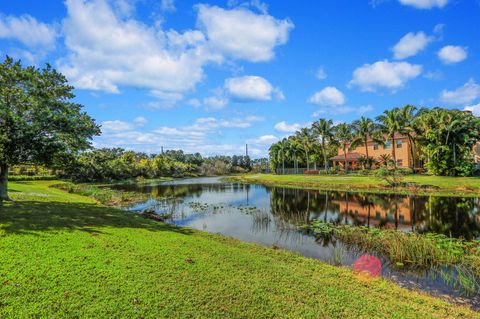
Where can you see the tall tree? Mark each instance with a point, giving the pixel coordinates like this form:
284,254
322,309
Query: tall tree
305,139
38,120
343,136
390,125
364,129
407,117
324,130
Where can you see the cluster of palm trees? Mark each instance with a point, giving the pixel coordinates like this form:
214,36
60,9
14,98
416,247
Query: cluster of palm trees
441,139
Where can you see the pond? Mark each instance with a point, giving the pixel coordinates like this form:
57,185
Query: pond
271,215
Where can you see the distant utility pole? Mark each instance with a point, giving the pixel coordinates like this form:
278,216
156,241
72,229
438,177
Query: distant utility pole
246,149
162,150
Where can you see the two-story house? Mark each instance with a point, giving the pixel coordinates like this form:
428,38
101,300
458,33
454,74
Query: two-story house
402,152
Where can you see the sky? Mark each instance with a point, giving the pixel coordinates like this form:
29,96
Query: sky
212,76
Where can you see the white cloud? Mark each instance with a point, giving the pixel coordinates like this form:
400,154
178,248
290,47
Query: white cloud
251,88
201,136
140,121
121,126
167,5
329,96
27,30
107,51
384,75
464,95
475,109
288,128
320,74
343,109
194,102
263,140
425,4
241,33
213,103
452,54
411,44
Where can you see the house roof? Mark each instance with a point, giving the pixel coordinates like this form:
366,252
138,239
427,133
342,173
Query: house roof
352,156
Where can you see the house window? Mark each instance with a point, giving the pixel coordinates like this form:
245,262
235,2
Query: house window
387,145
375,146
399,143
399,162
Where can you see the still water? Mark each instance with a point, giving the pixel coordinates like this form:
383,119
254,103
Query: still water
270,216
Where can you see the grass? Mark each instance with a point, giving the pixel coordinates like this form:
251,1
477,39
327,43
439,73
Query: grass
62,255
425,184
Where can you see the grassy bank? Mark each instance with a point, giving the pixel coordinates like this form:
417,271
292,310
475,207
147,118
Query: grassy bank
424,184
63,255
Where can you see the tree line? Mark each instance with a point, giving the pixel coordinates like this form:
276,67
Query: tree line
108,164
440,140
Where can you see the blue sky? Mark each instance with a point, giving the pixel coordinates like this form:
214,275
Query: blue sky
211,76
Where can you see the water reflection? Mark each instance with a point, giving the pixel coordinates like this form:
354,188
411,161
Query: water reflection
271,215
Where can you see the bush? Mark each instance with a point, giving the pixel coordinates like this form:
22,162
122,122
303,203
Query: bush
312,171
19,178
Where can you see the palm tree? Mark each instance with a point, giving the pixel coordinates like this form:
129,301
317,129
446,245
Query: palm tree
408,116
389,125
384,159
305,139
293,150
364,128
324,130
343,136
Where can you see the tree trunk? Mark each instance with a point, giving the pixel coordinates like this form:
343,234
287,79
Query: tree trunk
366,150
412,154
325,161
4,182
308,162
394,156
345,156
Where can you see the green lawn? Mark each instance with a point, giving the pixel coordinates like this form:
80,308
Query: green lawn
438,185
64,256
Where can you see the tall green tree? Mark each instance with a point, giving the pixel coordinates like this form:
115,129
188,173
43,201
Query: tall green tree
324,130
305,139
448,137
364,129
343,136
390,124
39,123
408,120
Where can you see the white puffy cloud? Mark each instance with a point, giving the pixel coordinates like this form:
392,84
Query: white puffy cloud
475,109
288,128
27,30
329,96
121,126
344,109
167,5
463,95
213,103
250,88
241,33
384,75
452,54
425,4
263,140
108,49
411,44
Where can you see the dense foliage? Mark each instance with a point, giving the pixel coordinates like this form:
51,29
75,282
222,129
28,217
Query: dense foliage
117,164
441,140
38,121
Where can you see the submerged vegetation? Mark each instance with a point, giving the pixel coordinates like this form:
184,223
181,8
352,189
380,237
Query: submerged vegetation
421,251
